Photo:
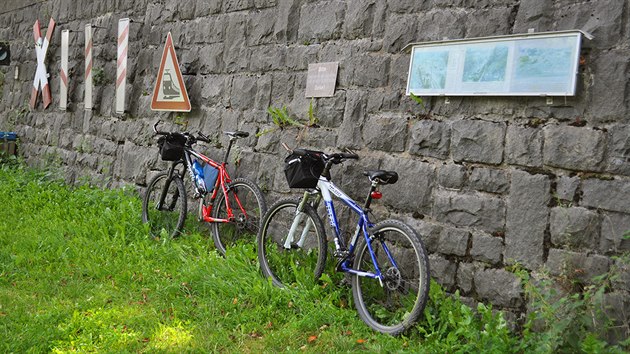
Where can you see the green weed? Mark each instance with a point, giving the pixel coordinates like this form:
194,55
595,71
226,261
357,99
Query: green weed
80,273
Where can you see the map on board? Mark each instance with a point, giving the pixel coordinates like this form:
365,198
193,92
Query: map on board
485,64
523,65
430,70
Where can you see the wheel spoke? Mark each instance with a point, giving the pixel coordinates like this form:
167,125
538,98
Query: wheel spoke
297,264
396,305
247,205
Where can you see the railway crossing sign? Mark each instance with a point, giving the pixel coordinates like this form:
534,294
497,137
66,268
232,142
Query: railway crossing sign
41,75
170,92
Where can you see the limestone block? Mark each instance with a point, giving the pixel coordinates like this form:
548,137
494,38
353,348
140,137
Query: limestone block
523,146
370,70
237,5
615,227
498,286
359,19
426,30
566,187
321,21
428,232
618,159
477,141
489,180
603,19
261,27
412,192
606,194
299,57
430,138
451,176
385,133
354,116
574,148
443,271
489,21
329,111
465,277
400,31
243,91
486,248
527,215
611,103
578,266
574,227
453,241
470,210
534,14
204,8
621,269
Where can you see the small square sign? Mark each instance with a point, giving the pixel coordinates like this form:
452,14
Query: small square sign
321,79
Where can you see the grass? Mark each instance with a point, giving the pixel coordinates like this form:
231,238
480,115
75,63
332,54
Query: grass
78,272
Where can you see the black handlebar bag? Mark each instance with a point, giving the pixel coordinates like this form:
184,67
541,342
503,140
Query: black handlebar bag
303,171
172,146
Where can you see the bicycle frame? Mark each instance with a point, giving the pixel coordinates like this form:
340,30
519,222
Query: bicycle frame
223,179
324,189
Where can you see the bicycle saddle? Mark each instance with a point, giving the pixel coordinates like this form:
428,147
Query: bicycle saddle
237,134
383,177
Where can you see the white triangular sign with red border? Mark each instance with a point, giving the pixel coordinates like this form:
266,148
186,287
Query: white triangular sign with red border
170,92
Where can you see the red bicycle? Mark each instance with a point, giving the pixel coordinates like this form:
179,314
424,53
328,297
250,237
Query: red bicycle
233,208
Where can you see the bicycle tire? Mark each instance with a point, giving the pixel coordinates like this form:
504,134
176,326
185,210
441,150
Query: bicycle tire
287,266
173,215
396,305
226,235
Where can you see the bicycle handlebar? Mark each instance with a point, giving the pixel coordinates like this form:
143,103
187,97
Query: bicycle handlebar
191,138
336,158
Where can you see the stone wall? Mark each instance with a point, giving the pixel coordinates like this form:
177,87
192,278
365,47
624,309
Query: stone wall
488,181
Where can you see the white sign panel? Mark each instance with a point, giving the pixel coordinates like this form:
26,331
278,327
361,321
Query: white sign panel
321,79
121,68
536,64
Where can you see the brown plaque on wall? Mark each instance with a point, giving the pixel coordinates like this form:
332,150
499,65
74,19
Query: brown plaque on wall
321,79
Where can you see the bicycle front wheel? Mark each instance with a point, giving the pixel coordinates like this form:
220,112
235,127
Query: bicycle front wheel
168,218
396,304
248,207
291,245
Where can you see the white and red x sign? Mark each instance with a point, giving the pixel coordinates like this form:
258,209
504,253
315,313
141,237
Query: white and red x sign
41,75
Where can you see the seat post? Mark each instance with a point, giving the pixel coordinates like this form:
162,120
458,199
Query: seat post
227,152
368,200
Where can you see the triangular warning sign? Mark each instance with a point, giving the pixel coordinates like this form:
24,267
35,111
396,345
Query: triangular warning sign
170,92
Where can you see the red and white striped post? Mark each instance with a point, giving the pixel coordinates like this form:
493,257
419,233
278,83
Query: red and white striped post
63,72
88,68
41,75
121,68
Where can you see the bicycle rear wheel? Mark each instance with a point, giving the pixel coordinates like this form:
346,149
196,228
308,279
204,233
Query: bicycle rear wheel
300,260
396,305
168,220
246,222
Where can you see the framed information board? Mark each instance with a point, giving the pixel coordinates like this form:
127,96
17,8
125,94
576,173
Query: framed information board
532,64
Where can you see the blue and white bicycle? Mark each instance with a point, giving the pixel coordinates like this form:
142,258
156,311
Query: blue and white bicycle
387,261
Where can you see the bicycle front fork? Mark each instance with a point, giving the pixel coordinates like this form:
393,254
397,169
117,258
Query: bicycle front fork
299,216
